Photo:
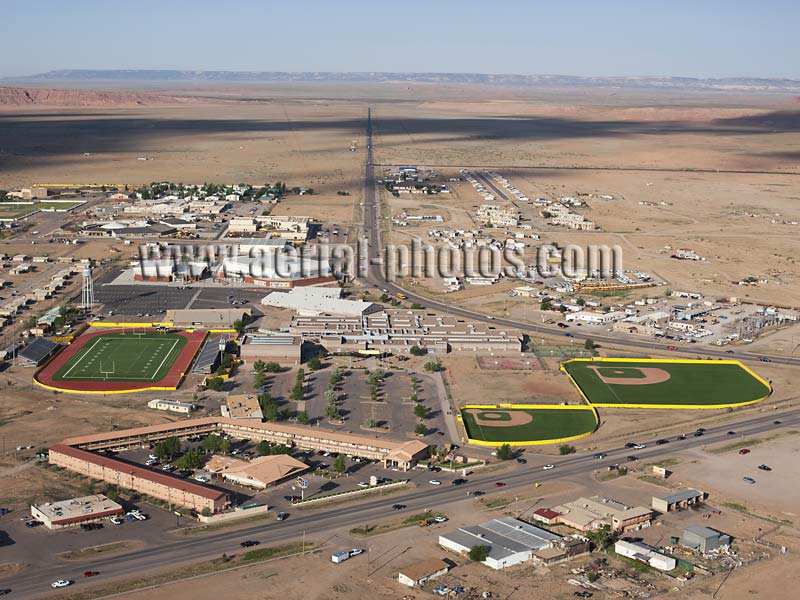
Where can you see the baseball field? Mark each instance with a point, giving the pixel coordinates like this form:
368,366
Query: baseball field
655,383
526,424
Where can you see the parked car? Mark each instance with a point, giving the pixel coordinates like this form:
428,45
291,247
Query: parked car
744,451
765,467
748,480
292,498
116,521
440,519
33,523
522,461
249,543
583,594
91,526
356,551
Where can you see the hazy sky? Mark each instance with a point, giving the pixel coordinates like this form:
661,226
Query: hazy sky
602,37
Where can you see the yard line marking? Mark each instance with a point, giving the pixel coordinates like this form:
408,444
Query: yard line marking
88,352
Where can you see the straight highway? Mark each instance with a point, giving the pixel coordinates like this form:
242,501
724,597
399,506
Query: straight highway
376,276
318,524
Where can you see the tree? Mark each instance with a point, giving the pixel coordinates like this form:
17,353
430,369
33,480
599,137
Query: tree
302,418
421,411
546,305
270,412
420,429
238,325
504,452
414,398
167,449
333,412
263,448
192,459
417,351
432,366
330,396
565,449
580,302
602,538
216,384
259,366
417,306
212,443
479,553
589,344
225,446
314,363
259,380
339,465
272,367
206,512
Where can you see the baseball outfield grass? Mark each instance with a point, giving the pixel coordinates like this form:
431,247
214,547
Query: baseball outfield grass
494,425
654,383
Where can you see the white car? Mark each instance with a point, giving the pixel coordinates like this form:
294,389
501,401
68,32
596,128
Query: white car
440,519
116,521
548,467
61,583
363,484
356,551
640,446
435,482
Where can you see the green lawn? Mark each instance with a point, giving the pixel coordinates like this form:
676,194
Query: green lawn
547,424
699,384
123,357
17,209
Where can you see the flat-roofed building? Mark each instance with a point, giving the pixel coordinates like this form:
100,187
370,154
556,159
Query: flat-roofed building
183,408
313,305
646,554
258,473
74,512
211,318
284,349
242,406
275,270
398,331
677,500
586,514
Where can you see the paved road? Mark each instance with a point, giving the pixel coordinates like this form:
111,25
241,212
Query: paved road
35,581
376,277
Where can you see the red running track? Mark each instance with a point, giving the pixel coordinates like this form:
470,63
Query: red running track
170,381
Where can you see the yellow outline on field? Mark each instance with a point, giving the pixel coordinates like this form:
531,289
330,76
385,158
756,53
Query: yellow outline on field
490,407
673,361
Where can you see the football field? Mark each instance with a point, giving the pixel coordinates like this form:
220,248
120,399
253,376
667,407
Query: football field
654,383
123,356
